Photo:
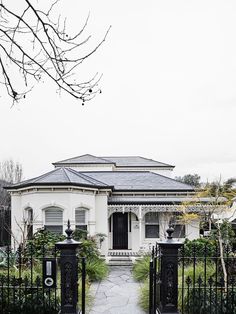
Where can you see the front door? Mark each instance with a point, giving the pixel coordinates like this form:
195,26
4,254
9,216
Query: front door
120,231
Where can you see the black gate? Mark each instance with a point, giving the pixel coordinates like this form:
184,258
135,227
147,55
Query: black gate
120,231
192,280
30,280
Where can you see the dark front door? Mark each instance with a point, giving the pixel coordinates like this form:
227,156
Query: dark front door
120,231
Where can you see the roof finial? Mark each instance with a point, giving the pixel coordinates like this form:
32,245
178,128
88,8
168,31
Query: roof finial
169,231
68,231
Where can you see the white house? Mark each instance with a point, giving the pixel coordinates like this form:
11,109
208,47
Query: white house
130,199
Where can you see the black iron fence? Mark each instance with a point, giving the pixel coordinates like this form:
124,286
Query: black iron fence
42,281
192,280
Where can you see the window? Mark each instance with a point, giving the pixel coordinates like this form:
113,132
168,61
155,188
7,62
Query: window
152,225
29,223
54,220
81,219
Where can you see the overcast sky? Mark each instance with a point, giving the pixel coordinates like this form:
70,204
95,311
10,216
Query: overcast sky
168,91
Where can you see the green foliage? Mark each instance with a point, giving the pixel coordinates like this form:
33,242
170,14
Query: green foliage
89,249
7,258
26,299
210,301
199,271
203,247
96,269
80,234
141,268
226,232
144,295
42,239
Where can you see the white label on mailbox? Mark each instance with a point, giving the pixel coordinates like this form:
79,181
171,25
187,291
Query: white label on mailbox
48,268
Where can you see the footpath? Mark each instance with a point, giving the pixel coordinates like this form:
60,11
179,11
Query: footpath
117,294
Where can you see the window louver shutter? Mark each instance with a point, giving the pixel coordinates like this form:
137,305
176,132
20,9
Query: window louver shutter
53,217
80,217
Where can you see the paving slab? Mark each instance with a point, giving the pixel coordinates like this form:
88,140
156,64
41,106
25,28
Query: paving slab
117,294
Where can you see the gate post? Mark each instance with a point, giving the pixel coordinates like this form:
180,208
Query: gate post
69,273
169,273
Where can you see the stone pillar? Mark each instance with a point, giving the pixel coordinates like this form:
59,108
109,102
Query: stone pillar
69,273
169,273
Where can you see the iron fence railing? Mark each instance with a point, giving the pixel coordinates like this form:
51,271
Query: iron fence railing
206,280
23,287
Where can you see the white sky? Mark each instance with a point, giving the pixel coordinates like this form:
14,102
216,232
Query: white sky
169,91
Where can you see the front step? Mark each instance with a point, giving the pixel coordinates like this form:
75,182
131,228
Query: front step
120,261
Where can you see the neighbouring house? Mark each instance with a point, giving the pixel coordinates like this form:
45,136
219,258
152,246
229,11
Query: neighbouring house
130,199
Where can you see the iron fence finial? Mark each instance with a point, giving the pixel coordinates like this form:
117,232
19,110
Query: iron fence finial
68,231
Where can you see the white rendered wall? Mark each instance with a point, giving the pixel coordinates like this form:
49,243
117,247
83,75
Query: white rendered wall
192,229
101,218
68,201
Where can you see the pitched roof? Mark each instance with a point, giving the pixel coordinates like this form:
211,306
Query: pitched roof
135,161
119,180
84,159
138,181
60,176
119,161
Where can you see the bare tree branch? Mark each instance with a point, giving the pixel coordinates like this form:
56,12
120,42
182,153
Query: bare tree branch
32,45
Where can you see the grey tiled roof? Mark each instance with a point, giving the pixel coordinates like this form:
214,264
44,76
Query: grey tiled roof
138,180
84,159
62,176
135,161
119,161
118,180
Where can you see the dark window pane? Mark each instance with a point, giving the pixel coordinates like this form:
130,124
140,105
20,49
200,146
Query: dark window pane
152,231
29,232
81,227
54,229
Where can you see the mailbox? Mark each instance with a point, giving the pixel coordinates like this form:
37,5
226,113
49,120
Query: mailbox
49,272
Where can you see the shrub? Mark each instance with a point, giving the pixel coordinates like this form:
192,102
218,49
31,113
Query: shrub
89,249
203,247
210,301
144,295
42,240
189,274
96,269
141,268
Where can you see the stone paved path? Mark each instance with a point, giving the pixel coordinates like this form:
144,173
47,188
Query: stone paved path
118,294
